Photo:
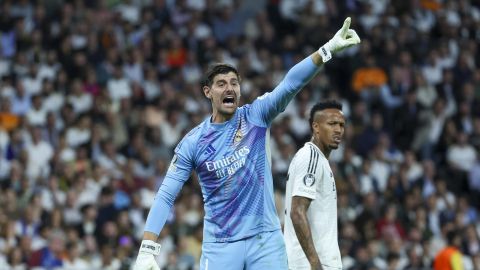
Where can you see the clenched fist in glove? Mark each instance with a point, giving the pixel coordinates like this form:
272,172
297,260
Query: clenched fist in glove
146,256
344,38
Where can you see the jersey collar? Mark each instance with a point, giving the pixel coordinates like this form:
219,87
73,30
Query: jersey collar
315,147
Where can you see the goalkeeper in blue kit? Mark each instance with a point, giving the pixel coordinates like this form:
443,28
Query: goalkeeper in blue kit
230,153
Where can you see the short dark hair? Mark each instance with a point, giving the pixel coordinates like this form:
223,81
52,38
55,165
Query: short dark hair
322,105
215,69
452,237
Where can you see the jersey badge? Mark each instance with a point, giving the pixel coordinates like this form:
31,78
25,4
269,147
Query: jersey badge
238,136
309,180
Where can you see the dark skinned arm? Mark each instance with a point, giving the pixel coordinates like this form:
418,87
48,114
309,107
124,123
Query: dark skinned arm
299,218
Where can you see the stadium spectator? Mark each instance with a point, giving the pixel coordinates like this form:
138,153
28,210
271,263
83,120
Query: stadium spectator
83,83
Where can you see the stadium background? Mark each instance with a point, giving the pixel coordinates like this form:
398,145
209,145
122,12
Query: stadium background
95,94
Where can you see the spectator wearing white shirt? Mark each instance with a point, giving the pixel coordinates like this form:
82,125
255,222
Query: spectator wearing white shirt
6,87
73,260
367,182
71,211
65,153
32,82
21,101
81,101
118,87
151,85
37,115
20,65
445,199
110,160
133,68
28,224
39,155
52,129
461,158
129,11
87,191
88,226
80,133
52,100
192,71
432,71
172,127
414,169
369,19
144,166
51,195
380,169
15,260
428,135
461,155
298,110
148,192
49,69
426,93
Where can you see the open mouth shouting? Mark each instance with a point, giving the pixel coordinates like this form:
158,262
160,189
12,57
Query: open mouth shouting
229,101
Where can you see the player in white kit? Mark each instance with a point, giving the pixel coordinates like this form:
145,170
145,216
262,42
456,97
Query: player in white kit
310,232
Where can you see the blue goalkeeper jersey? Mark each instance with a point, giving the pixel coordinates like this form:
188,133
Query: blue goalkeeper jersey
233,164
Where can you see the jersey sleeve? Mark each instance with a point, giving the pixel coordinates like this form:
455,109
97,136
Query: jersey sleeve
305,178
178,173
266,107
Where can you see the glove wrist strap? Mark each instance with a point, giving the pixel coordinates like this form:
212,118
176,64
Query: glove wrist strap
325,53
151,247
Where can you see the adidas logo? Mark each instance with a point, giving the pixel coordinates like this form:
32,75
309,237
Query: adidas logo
210,150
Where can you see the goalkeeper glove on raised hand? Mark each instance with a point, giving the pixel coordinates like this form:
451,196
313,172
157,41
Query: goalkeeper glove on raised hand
146,256
344,38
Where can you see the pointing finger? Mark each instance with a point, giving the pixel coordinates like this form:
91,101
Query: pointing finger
345,27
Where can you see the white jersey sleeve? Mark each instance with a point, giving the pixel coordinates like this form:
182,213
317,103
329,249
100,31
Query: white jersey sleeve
305,173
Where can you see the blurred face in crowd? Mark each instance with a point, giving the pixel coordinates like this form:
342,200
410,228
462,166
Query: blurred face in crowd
328,127
224,93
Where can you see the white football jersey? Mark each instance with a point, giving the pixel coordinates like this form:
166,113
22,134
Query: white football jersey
310,176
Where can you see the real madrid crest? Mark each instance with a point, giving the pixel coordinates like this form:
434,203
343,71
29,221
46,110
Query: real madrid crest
238,136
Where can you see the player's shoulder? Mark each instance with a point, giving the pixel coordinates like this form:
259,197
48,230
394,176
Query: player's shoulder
310,153
307,150
194,133
192,137
257,100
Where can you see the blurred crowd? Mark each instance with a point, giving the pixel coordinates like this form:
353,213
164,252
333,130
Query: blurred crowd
95,94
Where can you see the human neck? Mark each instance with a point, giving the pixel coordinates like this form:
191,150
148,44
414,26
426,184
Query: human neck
325,150
220,118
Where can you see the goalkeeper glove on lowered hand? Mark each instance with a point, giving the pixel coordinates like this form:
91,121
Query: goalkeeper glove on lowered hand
344,38
146,256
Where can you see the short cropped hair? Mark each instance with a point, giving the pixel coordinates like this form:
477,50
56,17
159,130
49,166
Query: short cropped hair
214,70
326,104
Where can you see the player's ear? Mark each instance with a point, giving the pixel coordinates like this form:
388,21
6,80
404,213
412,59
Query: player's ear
315,127
206,92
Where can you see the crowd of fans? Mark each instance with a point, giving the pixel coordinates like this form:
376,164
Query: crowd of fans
94,95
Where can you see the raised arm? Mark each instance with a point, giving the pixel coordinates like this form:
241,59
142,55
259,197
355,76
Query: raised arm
266,107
